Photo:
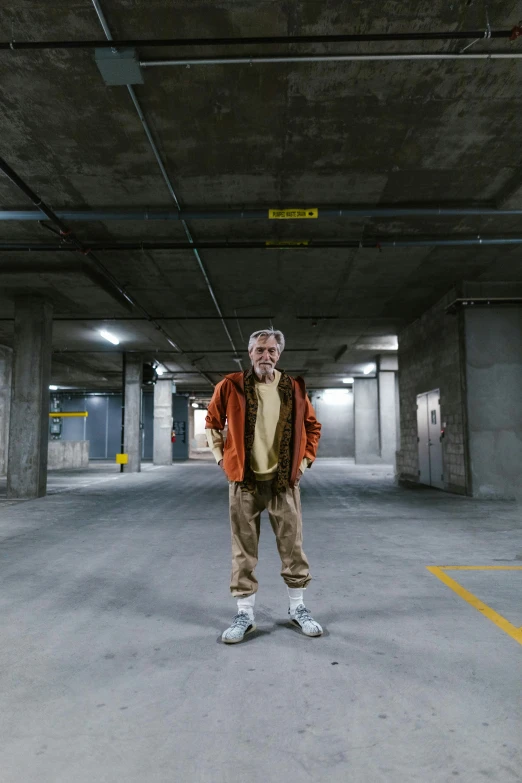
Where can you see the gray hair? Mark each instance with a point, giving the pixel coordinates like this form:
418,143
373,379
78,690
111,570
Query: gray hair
279,338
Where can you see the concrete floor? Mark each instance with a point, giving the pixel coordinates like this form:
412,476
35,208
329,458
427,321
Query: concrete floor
113,597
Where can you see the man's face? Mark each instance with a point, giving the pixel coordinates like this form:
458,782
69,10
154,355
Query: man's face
264,356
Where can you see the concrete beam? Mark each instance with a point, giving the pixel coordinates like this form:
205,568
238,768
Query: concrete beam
162,448
29,423
132,417
6,371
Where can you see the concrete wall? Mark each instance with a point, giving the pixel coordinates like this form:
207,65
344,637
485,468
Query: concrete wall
6,372
431,356
494,395
102,427
63,454
337,424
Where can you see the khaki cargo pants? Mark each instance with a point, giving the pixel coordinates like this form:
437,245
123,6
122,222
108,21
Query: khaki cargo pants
284,511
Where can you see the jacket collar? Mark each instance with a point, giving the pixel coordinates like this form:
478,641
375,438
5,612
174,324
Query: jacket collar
238,379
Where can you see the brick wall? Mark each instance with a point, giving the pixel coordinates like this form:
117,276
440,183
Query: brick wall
431,357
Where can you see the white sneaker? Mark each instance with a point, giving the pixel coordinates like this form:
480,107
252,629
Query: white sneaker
241,625
305,621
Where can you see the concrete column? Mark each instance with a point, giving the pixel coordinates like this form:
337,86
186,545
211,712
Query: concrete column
162,451
386,377
6,371
494,412
29,424
366,411
132,418
387,417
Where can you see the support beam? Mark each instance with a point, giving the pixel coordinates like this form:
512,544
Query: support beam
29,422
162,449
6,370
132,426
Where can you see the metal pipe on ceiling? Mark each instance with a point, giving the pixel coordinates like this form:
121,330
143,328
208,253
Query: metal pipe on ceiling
441,35
325,58
328,213
310,244
99,269
170,187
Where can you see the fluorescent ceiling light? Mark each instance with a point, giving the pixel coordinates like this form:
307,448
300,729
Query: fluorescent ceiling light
53,388
195,405
347,380
110,337
369,369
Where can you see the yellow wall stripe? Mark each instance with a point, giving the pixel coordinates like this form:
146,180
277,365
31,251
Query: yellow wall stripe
476,603
57,415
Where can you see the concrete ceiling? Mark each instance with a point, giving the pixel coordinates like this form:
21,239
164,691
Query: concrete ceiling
311,134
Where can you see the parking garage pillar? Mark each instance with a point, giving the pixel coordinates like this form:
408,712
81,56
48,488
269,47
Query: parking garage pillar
366,414
29,420
132,417
388,416
162,452
6,367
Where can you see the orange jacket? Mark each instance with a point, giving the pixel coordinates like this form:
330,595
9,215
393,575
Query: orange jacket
229,403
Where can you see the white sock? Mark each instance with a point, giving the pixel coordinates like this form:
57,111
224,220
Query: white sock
296,596
247,605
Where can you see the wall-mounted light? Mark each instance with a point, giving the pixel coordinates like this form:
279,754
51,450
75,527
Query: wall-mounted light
53,388
369,369
347,380
110,337
195,405
160,370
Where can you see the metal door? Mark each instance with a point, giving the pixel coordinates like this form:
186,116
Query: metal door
114,427
96,429
147,412
180,449
429,432
423,439
435,440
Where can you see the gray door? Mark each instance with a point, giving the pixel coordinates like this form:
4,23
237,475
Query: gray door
434,429
114,427
96,427
423,439
73,428
147,413
429,439
180,449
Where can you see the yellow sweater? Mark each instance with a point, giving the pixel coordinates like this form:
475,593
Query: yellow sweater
265,451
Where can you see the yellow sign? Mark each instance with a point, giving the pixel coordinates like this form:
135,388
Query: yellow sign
292,214
122,459
287,243
57,415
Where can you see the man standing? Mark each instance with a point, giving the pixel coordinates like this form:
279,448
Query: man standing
272,437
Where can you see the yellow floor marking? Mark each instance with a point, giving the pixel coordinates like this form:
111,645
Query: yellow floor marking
480,606
481,568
